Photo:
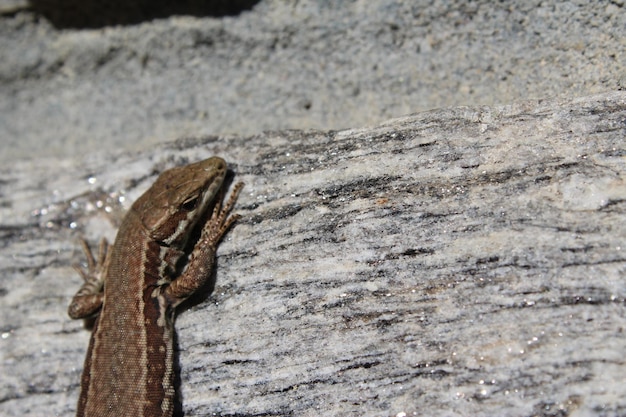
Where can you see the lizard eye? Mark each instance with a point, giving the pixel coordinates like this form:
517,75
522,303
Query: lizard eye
190,204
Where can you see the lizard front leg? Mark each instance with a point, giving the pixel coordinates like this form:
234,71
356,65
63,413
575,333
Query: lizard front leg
88,300
201,260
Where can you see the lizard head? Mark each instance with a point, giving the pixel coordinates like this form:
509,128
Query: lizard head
178,199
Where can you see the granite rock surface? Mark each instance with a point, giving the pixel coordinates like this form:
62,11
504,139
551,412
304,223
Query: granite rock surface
466,261
83,77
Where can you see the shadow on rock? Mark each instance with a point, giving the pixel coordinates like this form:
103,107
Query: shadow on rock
89,14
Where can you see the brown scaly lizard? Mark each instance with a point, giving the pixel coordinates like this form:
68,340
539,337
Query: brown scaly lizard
134,286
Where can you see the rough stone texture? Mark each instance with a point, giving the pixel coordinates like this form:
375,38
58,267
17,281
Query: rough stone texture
467,261
458,262
69,91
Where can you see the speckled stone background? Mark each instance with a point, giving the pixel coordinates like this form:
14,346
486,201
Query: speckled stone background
460,262
467,261
77,77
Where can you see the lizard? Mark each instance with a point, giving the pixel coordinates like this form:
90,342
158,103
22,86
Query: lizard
133,287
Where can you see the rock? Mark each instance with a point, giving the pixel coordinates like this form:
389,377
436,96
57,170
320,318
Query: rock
69,90
462,261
